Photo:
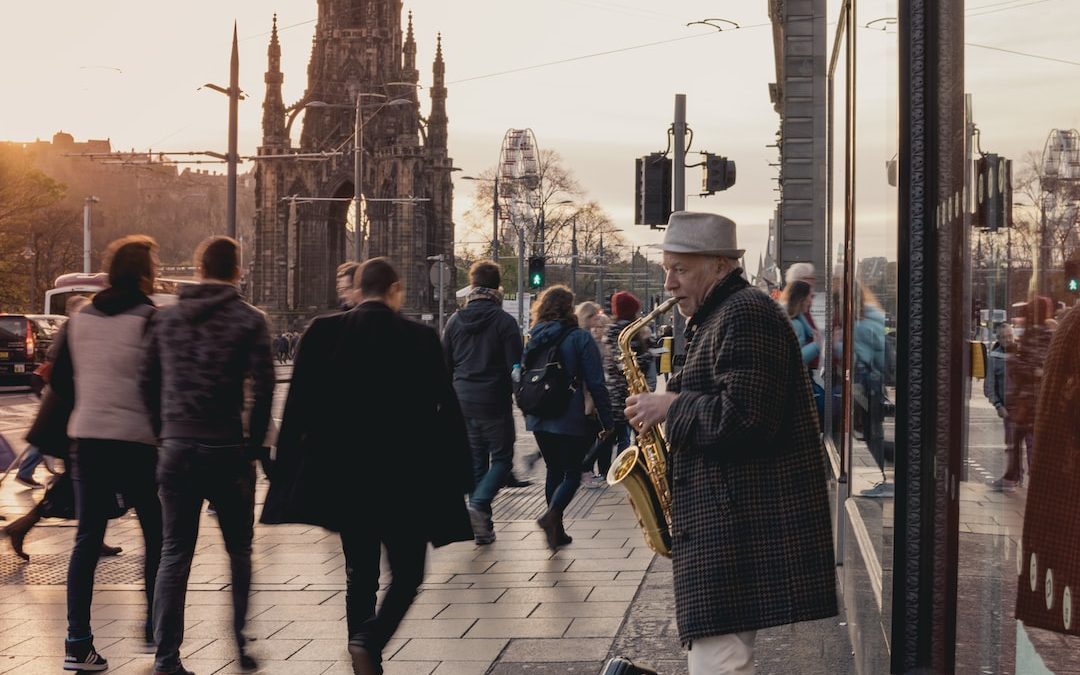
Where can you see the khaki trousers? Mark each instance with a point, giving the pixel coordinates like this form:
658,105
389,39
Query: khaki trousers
731,654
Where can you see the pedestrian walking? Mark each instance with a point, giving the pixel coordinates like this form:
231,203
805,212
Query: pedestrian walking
796,299
114,453
564,435
751,535
591,317
1051,525
59,498
1023,378
804,272
281,348
373,445
346,285
482,345
199,353
997,363
624,308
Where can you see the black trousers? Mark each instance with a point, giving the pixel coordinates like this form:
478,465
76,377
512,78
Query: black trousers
406,552
109,476
191,471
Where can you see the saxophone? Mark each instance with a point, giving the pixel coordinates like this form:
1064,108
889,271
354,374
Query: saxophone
642,469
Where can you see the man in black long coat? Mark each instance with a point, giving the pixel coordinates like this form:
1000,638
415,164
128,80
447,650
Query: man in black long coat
373,445
751,531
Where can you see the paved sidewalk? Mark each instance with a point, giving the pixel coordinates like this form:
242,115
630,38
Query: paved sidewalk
511,607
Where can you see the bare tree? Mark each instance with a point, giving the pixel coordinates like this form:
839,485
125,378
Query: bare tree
560,203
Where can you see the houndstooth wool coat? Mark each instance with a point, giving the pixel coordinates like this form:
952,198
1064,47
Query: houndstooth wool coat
752,537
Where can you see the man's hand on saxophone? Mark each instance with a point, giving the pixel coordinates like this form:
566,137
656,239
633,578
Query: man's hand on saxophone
644,411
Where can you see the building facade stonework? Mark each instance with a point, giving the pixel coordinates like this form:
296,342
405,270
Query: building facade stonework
359,53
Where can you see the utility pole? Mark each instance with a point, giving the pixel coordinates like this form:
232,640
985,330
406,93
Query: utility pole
87,203
495,222
234,99
678,195
359,228
521,276
573,254
600,269
231,157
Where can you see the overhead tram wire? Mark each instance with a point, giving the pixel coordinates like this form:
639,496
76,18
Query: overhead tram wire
658,43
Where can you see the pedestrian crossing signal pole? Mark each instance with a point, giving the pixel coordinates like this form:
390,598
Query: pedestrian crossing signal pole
678,194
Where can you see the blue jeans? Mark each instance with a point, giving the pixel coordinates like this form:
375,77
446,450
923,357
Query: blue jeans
563,455
190,471
101,470
492,442
31,459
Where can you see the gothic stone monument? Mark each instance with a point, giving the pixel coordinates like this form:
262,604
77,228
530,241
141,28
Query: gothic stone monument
302,203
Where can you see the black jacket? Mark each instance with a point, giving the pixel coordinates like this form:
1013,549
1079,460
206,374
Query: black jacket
482,344
372,431
198,354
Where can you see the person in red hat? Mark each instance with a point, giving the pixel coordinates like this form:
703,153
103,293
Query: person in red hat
625,307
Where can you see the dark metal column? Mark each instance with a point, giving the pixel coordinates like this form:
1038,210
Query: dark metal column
930,415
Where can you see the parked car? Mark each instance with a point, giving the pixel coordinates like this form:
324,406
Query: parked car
24,341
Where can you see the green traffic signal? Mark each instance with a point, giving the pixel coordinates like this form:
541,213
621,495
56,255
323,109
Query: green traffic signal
536,271
1074,285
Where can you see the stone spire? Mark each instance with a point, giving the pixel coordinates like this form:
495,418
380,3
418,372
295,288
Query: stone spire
273,106
437,121
409,71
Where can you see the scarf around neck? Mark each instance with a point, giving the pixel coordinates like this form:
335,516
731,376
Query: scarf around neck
482,293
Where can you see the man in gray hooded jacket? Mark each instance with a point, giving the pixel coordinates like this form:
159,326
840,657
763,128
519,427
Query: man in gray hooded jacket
199,353
483,344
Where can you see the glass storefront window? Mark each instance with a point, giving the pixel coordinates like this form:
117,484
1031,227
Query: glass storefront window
1019,525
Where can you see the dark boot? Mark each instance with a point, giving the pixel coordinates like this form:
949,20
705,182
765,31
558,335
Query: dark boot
18,530
562,537
550,523
108,551
247,662
363,661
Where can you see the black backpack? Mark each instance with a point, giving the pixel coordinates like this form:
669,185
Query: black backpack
545,387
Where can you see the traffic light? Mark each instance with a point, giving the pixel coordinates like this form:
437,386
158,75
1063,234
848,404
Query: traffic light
652,190
718,174
993,192
536,271
1072,276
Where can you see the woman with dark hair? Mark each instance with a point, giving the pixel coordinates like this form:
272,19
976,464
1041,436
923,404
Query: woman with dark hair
796,300
114,457
565,438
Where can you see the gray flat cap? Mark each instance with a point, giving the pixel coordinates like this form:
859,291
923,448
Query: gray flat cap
701,234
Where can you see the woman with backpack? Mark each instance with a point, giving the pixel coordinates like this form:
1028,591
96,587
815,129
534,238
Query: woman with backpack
564,355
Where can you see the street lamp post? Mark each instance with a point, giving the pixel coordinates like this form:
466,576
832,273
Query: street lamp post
494,214
87,204
573,254
600,269
233,157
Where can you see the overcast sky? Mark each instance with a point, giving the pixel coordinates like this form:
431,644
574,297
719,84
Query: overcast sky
129,70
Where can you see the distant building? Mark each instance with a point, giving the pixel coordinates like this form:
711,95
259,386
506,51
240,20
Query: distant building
139,192
799,97
302,203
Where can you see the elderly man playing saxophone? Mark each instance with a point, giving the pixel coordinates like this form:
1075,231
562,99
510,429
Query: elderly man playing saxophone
751,532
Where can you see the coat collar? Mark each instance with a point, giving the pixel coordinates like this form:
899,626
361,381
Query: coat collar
372,306
729,286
